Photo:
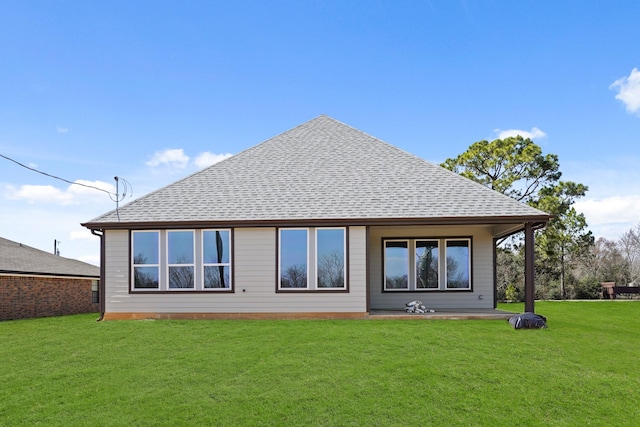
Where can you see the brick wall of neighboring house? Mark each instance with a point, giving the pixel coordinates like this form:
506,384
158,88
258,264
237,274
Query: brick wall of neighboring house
24,297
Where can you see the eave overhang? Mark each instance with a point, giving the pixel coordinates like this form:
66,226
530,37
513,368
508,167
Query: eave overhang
516,222
41,274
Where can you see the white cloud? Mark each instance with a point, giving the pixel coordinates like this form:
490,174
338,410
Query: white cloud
610,216
172,157
39,193
629,91
534,133
85,188
72,195
37,225
90,259
612,202
82,234
61,130
207,159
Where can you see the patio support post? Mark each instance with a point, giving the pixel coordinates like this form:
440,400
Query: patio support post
529,286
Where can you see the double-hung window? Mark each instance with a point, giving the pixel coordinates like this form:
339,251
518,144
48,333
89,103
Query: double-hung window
427,264
216,261
294,259
330,258
396,265
312,259
146,259
458,264
181,259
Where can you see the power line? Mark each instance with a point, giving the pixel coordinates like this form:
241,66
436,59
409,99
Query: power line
57,177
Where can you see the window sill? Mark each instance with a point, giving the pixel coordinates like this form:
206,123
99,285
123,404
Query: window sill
312,291
177,291
427,290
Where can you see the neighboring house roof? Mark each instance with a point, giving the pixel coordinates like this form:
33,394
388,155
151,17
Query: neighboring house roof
322,170
16,258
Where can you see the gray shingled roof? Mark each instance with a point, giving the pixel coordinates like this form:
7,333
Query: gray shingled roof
320,170
21,259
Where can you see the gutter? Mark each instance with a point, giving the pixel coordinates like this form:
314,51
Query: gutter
101,288
319,222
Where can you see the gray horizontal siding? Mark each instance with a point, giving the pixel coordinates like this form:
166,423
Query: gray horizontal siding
116,268
482,269
254,281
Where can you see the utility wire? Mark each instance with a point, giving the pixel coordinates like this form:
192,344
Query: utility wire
57,177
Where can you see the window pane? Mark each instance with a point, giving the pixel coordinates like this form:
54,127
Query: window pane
145,247
330,258
217,277
180,247
216,246
458,264
427,264
396,265
180,277
145,277
293,258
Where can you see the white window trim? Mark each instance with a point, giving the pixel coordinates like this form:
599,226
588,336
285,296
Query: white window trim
344,257
384,262
446,282
134,265
223,264
163,262
192,265
280,288
442,271
415,267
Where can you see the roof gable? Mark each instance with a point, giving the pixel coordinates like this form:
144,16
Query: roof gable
320,170
22,259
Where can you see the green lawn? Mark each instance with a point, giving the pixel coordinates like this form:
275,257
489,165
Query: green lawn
583,370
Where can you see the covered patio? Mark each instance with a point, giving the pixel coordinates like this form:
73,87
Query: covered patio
474,314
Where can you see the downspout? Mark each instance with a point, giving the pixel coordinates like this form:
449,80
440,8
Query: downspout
367,266
101,296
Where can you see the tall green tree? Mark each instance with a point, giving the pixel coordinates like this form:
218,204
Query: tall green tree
566,238
516,167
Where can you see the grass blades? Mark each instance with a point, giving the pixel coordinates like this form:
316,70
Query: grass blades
71,370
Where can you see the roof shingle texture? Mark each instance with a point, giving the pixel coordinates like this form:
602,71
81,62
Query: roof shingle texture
18,258
322,169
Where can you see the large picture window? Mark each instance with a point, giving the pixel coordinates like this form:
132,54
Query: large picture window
216,261
145,251
416,264
312,259
330,258
181,260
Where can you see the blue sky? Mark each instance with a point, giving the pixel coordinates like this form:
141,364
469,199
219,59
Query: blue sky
152,91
